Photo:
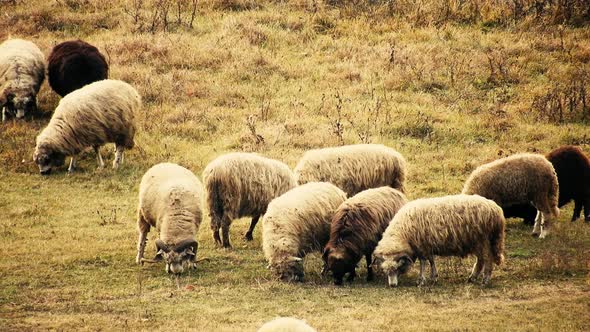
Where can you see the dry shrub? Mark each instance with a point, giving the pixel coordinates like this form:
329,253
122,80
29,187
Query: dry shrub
488,12
160,15
567,100
234,5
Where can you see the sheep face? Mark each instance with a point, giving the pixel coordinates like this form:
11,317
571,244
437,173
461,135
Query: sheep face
19,104
340,262
393,265
176,262
47,159
179,257
289,269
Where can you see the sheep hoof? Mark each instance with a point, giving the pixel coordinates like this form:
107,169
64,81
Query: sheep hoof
472,280
248,237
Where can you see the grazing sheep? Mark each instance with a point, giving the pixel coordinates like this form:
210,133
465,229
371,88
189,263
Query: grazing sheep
573,173
296,223
170,200
242,184
357,227
22,71
96,114
353,168
519,179
74,64
286,324
457,225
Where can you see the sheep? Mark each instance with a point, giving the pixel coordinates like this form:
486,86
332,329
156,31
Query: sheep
239,185
356,228
353,168
457,225
296,223
519,179
22,71
573,174
170,200
96,114
74,64
286,324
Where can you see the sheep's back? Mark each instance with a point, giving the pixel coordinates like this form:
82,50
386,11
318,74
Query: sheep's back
353,168
573,171
169,189
100,112
360,221
299,220
444,226
512,180
246,183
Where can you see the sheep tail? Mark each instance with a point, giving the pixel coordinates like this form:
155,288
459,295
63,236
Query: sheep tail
497,243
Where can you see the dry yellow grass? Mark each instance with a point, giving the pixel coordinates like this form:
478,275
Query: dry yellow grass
450,86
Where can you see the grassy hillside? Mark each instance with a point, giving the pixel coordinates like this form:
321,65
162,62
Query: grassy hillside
449,84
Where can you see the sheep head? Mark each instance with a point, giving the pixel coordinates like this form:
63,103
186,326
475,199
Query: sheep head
339,260
176,257
393,265
46,159
18,103
289,269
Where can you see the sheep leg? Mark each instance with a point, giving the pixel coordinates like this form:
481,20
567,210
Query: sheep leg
544,225
577,210
433,272
72,165
537,226
421,280
225,222
118,156
488,267
99,157
143,228
369,259
4,114
253,223
351,276
476,268
215,229
587,209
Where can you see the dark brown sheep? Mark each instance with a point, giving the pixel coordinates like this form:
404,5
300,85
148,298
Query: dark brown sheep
573,173
356,228
74,64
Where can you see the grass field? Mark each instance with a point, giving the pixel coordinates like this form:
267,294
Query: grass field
450,85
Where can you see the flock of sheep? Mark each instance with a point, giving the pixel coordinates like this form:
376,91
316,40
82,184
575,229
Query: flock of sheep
346,202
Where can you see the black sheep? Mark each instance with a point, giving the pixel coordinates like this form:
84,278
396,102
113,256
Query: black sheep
74,64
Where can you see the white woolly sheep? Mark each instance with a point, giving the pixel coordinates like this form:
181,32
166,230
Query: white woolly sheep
286,324
519,179
242,185
22,71
170,200
98,113
457,225
353,168
296,223
357,227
